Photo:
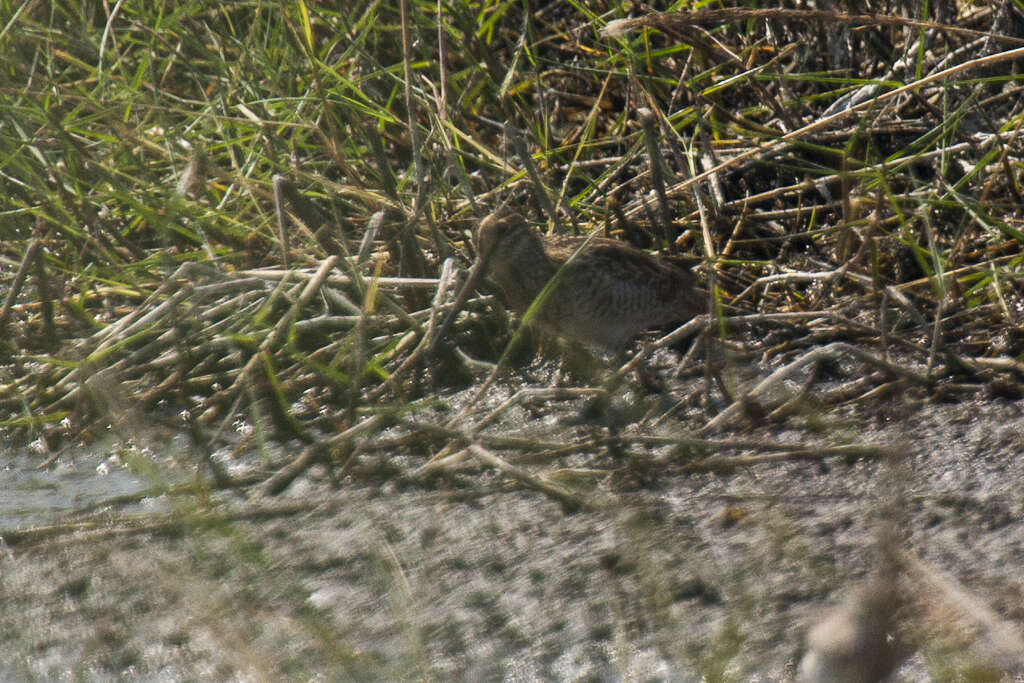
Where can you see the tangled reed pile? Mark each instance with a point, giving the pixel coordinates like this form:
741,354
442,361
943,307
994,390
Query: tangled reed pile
851,184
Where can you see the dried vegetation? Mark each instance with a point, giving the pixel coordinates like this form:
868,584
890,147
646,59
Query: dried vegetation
215,213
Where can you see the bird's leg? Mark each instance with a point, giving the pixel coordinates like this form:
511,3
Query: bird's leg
575,361
650,381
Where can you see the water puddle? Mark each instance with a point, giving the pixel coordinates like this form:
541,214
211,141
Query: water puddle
32,495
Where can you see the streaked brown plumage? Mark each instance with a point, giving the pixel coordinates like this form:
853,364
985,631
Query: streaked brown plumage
604,296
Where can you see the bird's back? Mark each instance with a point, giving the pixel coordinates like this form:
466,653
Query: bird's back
611,292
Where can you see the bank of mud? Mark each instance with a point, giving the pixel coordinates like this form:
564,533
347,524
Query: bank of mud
683,576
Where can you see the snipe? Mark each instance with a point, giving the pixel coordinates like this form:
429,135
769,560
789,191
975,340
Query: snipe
602,296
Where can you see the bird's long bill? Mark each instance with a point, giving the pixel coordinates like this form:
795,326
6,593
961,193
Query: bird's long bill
475,273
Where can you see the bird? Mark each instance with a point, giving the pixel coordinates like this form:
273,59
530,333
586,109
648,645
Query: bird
597,291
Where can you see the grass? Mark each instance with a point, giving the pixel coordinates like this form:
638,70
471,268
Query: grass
103,115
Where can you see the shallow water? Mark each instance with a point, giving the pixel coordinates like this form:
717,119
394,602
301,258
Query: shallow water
35,495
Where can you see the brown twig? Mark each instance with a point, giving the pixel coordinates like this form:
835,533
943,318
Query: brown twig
566,498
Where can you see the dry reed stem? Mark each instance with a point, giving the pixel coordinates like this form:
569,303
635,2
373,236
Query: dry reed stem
831,351
826,121
722,464
563,496
934,584
716,17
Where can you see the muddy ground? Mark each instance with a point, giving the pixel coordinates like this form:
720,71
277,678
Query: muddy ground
677,577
